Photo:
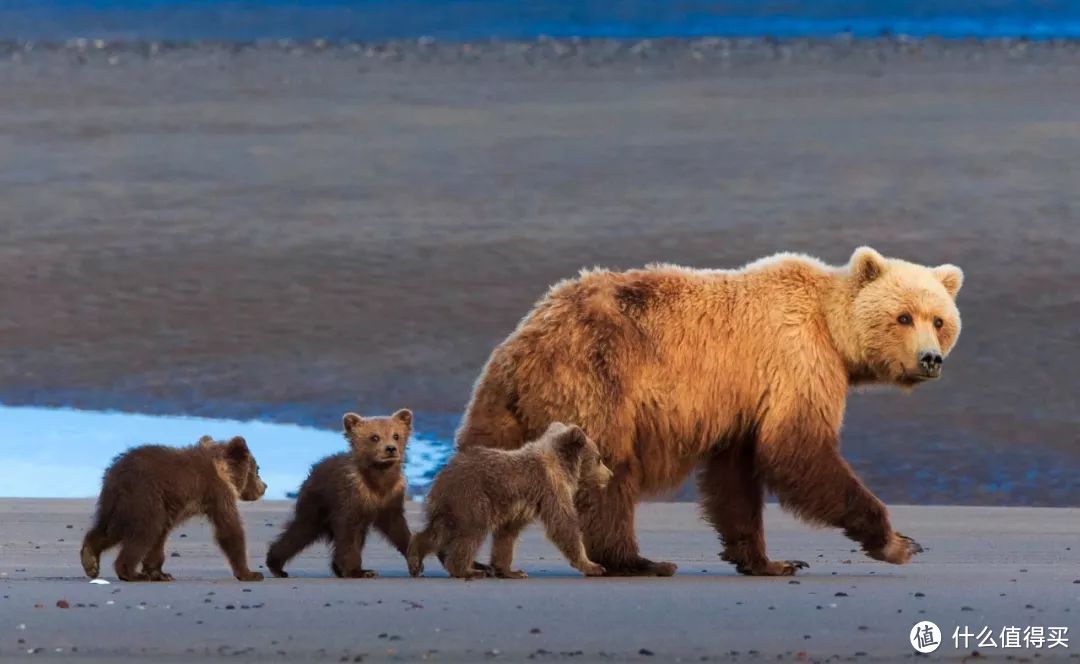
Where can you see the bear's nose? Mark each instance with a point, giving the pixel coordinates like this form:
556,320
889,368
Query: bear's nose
390,450
930,361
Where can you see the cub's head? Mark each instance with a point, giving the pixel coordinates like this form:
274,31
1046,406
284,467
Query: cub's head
378,442
236,466
904,316
578,450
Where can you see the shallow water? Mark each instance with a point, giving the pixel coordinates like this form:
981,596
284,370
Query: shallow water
487,19
62,453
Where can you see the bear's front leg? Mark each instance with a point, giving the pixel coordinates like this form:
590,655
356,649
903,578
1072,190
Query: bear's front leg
350,534
732,500
804,468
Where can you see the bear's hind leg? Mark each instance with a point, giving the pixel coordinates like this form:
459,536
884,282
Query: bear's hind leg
155,559
96,541
133,549
607,524
459,555
502,550
732,499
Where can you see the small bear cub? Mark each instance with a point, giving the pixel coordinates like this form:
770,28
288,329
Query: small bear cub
347,493
149,490
485,490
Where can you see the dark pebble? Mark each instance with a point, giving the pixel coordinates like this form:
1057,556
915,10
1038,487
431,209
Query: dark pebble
840,594
966,608
793,582
646,652
63,604
920,595
534,630
230,607
174,554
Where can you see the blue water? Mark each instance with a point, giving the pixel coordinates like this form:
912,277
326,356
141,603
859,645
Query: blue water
63,452
526,19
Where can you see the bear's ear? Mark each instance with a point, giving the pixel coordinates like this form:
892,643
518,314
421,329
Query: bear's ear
866,265
951,277
350,421
404,416
206,442
572,440
237,448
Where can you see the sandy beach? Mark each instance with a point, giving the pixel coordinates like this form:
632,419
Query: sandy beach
983,567
288,231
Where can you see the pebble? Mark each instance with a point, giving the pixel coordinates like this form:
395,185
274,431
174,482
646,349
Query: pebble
646,652
63,604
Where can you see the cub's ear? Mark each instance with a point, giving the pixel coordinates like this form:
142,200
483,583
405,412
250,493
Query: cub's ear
866,265
237,448
205,442
404,416
951,277
350,421
572,440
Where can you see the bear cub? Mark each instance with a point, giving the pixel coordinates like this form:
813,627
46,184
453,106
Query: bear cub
348,493
485,490
149,490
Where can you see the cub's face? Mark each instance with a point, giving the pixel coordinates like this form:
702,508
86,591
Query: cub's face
378,442
243,470
905,316
581,451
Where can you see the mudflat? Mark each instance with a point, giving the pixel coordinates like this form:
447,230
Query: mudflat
290,231
983,567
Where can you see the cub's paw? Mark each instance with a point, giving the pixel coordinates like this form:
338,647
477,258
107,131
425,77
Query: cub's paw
416,567
158,575
897,551
515,573
360,574
250,576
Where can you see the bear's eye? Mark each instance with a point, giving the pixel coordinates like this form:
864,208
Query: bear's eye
374,437
397,437
938,323
904,319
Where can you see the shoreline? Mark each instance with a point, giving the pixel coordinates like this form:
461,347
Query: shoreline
844,605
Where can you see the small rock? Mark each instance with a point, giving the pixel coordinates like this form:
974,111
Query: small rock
174,554
63,604
920,595
534,630
646,652
840,594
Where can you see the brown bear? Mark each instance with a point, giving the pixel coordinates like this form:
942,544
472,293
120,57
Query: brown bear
148,491
742,374
347,493
483,490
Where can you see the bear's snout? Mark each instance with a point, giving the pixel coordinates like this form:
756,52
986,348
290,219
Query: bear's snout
390,450
930,363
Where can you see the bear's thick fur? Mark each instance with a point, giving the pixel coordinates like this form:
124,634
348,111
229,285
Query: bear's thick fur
742,374
483,490
148,491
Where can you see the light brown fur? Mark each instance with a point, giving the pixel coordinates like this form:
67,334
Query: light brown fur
348,493
484,490
148,491
742,374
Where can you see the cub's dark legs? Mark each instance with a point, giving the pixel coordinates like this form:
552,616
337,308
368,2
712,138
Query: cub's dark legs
95,542
502,550
298,535
154,560
229,533
391,523
133,549
459,552
349,534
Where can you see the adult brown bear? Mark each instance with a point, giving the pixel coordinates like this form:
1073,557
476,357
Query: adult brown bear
741,373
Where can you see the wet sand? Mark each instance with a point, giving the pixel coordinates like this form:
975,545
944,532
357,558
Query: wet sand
288,231
990,567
